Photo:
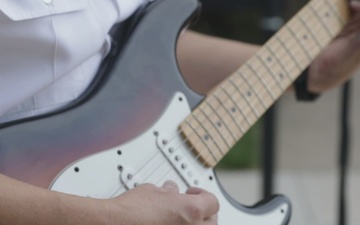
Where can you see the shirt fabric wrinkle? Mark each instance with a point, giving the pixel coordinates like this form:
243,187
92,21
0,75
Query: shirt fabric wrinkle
60,64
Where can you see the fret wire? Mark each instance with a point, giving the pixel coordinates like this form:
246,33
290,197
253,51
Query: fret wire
226,126
246,118
251,111
289,53
226,110
254,91
279,61
271,72
332,7
241,111
311,33
202,140
209,135
216,127
321,21
261,81
280,64
302,45
231,99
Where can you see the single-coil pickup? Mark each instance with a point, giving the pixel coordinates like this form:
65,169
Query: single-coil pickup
178,160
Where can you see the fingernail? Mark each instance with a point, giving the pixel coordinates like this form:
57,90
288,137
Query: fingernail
170,185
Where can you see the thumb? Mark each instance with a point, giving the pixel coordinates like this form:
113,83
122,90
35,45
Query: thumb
170,186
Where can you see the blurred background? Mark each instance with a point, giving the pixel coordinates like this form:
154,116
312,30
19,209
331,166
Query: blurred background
305,136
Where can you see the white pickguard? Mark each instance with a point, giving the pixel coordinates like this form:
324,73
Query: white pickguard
157,155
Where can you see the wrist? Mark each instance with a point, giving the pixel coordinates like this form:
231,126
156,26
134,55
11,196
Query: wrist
80,210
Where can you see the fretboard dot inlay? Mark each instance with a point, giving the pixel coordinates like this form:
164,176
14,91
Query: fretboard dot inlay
231,109
206,137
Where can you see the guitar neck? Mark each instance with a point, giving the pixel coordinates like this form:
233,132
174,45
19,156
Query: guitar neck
240,100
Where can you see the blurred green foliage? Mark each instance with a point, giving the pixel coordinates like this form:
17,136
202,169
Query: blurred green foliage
245,154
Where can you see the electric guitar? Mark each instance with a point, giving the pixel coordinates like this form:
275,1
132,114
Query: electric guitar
140,123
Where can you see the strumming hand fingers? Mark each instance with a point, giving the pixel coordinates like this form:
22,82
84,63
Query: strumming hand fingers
206,201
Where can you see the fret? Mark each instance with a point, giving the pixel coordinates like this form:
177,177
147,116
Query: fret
341,9
240,110
251,86
294,47
240,100
202,140
258,92
283,56
289,53
311,33
331,18
249,114
221,107
233,110
219,133
317,29
221,118
262,81
299,41
207,134
269,89
332,7
206,119
253,83
279,62
228,112
321,21
278,82
246,113
305,35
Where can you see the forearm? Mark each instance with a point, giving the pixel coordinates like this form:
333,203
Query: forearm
205,60
21,204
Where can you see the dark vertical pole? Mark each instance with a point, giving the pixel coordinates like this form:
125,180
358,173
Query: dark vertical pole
344,153
271,22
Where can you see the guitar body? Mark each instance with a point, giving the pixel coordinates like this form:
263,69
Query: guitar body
124,130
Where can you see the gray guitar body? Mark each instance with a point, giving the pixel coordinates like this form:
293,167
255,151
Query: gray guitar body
119,124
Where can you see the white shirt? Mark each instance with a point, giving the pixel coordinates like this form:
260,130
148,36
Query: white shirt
51,49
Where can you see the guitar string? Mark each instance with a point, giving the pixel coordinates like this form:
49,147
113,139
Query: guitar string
173,177
177,133
257,92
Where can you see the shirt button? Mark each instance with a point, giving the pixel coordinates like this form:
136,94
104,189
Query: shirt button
48,1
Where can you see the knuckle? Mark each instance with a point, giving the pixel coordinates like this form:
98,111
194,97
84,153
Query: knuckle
192,213
195,212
